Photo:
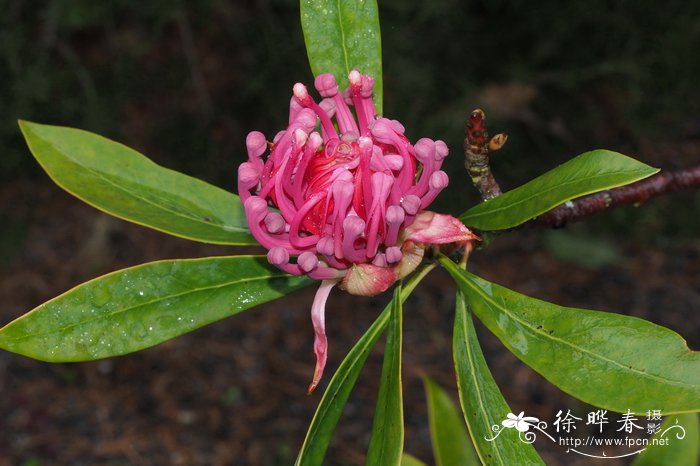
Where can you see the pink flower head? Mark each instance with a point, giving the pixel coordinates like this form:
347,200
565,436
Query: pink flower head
343,201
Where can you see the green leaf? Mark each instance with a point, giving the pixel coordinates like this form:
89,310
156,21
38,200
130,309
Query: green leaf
342,36
482,403
587,173
142,306
681,446
612,361
318,437
120,181
386,442
451,442
410,460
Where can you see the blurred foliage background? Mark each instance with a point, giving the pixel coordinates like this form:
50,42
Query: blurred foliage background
184,82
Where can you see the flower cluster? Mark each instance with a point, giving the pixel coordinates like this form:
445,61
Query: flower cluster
343,202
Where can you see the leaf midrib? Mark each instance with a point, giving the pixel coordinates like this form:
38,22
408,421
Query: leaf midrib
543,192
592,355
146,303
223,226
394,366
480,400
346,58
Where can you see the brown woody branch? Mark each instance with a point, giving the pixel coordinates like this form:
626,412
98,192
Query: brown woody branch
477,147
635,193
577,209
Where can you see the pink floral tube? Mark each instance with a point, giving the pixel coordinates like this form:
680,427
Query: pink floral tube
341,196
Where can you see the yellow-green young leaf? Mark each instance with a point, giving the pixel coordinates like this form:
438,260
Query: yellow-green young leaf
481,400
677,443
142,306
410,460
341,36
448,433
119,181
328,412
386,441
587,173
613,361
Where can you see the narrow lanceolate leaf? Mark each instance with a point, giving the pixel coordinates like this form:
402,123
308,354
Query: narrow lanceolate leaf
142,306
318,437
448,433
588,173
410,460
482,403
122,182
676,443
342,36
613,361
386,442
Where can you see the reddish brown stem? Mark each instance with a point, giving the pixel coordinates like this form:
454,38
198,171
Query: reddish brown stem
635,193
477,147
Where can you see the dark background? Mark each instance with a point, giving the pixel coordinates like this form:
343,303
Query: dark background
183,82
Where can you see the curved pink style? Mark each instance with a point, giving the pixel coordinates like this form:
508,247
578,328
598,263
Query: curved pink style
341,195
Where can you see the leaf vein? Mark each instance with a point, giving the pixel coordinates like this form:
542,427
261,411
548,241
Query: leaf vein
562,342
542,193
346,58
137,306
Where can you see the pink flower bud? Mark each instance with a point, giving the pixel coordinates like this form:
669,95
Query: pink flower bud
425,150
307,261
278,256
274,222
256,144
325,246
394,162
441,150
411,204
248,174
393,255
438,180
325,85
300,92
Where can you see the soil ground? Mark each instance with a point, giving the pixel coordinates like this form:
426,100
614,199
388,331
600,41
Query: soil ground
234,392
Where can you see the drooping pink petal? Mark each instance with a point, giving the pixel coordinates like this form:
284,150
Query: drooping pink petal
318,319
431,228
